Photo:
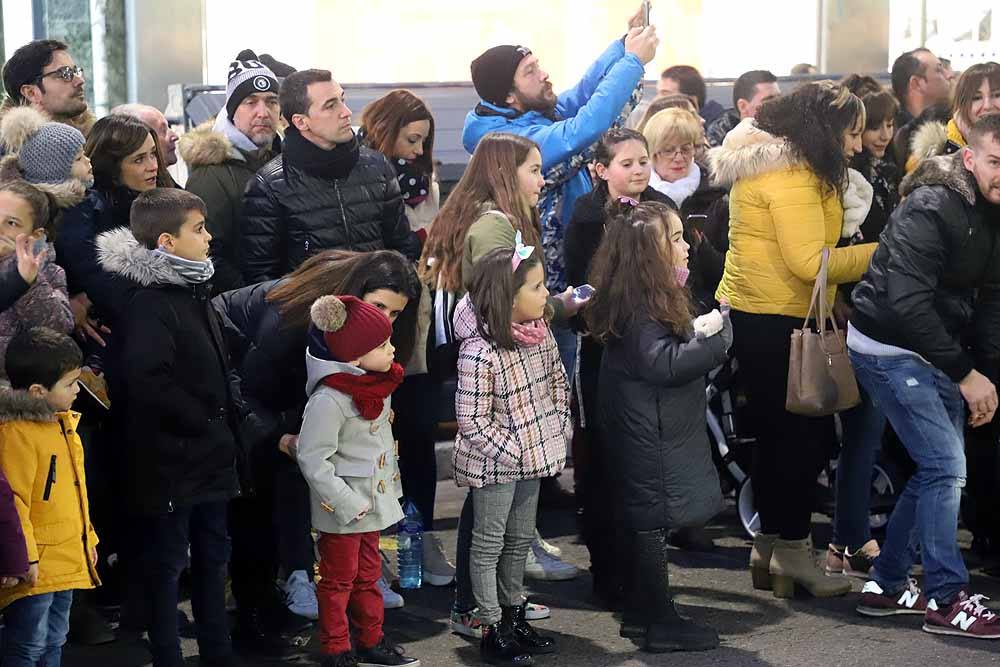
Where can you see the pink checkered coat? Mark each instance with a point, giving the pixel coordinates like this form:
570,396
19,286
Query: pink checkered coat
512,408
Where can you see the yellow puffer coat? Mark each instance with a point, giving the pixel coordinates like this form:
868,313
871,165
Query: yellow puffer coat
42,457
780,221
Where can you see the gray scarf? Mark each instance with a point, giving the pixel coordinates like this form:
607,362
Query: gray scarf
193,273
238,139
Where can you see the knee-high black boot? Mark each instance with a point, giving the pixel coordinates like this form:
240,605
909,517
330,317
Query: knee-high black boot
666,630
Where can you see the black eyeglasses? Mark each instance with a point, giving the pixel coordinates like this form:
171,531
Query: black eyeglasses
65,73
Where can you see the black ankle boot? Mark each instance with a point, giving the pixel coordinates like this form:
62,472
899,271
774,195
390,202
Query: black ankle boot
666,630
527,636
500,647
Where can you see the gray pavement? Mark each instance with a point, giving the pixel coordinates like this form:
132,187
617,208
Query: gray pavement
757,629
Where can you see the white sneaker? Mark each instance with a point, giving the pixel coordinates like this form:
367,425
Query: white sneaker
390,598
437,569
542,565
552,549
300,595
536,612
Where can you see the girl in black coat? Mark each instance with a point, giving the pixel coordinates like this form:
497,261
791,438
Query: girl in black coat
653,398
265,326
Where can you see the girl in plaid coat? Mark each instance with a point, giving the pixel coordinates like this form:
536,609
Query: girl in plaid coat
514,424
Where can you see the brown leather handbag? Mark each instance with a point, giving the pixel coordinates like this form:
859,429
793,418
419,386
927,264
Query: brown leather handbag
820,377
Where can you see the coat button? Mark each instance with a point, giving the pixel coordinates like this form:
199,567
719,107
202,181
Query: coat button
381,486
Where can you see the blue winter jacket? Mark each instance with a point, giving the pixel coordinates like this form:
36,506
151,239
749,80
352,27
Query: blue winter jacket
587,111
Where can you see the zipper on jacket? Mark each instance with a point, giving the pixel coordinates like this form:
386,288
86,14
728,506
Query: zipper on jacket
51,479
343,216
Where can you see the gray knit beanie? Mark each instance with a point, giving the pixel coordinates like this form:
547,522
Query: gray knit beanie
45,150
247,76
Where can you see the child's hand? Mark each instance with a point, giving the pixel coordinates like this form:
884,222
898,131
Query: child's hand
29,263
32,576
289,445
9,582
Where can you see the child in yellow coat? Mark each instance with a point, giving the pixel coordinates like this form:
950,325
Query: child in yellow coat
42,458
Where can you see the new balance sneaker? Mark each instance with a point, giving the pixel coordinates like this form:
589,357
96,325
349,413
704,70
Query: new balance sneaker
390,598
466,623
966,616
858,564
542,565
437,569
300,595
876,602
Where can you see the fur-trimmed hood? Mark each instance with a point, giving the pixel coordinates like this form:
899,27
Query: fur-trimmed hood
946,170
748,151
83,122
18,405
928,140
120,253
67,194
203,146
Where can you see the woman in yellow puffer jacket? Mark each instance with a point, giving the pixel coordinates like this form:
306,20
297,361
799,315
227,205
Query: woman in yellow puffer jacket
977,94
790,185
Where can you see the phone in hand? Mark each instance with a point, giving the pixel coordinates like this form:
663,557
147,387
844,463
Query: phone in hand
646,7
39,244
696,221
583,293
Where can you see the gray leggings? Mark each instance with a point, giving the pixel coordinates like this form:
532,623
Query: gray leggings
503,527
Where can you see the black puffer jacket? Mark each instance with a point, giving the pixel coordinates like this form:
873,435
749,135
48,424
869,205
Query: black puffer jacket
933,286
653,399
291,212
182,448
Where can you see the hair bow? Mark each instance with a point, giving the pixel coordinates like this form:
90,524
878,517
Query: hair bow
521,251
628,200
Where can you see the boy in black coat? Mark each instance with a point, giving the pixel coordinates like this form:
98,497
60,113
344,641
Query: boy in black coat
181,463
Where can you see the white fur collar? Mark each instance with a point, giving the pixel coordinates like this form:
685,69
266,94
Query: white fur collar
680,189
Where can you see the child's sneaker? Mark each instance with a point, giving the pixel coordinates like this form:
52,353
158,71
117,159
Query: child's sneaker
536,612
876,602
542,565
340,660
300,595
390,598
964,617
551,549
437,569
466,623
385,653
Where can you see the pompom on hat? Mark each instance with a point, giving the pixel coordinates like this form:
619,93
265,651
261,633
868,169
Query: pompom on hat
346,328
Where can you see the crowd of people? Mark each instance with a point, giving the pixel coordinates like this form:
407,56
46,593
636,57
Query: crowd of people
263,350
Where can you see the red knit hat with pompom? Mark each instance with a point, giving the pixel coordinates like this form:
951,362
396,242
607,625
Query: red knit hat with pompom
351,328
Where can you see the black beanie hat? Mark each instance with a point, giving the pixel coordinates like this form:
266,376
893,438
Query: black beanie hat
493,72
280,69
247,76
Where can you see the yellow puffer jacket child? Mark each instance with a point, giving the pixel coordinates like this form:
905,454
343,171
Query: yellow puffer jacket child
781,219
42,457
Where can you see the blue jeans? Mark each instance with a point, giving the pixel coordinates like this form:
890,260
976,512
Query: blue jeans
927,411
166,541
35,629
566,341
863,429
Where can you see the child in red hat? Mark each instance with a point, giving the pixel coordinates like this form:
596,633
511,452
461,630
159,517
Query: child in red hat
347,455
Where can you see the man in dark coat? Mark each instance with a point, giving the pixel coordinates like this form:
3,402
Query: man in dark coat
923,343
324,191
225,154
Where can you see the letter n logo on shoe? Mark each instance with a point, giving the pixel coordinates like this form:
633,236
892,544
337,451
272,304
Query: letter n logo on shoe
908,599
963,620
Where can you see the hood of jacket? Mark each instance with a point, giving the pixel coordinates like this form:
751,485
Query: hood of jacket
464,319
66,194
946,170
317,369
203,146
749,151
118,252
928,140
19,405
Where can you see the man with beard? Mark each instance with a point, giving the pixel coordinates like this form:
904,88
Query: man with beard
43,75
923,343
224,155
517,97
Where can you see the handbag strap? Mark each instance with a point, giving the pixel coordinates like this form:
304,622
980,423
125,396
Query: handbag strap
818,302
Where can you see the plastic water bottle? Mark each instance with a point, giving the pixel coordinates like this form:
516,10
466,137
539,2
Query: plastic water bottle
410,547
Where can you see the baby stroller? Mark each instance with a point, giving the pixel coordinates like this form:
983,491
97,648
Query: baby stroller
732,444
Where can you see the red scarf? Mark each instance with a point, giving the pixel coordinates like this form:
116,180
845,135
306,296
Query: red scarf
369,391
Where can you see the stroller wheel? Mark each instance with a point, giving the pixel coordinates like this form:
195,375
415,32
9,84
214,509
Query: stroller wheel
746,508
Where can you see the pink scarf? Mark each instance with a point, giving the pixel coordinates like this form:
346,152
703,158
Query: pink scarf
529,334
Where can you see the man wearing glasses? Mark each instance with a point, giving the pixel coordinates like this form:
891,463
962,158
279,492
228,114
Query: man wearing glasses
43,75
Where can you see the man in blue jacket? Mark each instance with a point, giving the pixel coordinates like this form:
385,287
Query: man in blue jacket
517,97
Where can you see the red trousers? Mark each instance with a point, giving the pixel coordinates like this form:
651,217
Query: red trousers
349,568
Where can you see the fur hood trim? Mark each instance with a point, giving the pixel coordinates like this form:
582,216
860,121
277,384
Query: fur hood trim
928,140
17,126
946,170
748,151
203,146
118,252
18,405
83,122
67,194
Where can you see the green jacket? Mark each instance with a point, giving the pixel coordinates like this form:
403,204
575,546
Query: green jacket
218,173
